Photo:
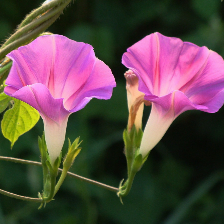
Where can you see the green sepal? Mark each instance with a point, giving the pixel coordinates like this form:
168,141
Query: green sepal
138,162
44,160
73,151
138,138
18,120
47,186
50,171
43,148
54,167
44,157
50,180
132,140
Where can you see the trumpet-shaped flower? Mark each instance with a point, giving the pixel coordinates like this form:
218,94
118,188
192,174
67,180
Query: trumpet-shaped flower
57,76
175,76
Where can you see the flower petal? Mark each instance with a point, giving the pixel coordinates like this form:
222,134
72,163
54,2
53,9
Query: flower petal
205,85
164,64
67,68
141,59
59,63
39,97
99,84
177,102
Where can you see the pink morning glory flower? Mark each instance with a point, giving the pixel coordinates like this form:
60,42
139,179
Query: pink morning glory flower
57,76
175,76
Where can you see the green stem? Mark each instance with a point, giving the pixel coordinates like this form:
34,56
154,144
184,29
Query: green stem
125,189
42,9
129,159
16,196
35,22
107,187
23,40
61,180
46,20
99,184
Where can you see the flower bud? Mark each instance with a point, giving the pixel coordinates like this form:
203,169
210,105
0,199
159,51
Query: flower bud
135,100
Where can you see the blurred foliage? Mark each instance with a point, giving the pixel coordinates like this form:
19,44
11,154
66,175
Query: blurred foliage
182,181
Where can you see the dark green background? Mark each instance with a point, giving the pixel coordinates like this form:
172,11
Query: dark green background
182,181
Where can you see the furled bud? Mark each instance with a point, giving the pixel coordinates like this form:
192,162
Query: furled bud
135,100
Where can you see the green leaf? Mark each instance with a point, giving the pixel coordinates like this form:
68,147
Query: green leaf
18,120
4,101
